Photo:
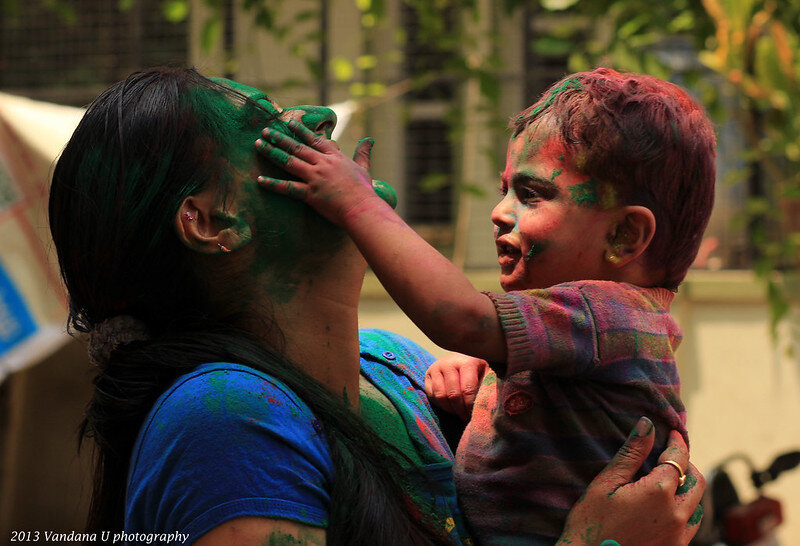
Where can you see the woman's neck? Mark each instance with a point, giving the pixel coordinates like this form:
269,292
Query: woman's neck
319,322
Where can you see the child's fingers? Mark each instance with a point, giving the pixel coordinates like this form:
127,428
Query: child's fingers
290,188
434,384
435,389
429,383
318,142
469,386
285,161
452,388
290,145
363,152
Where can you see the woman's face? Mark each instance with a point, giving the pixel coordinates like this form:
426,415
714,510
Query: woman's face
319,119
293,241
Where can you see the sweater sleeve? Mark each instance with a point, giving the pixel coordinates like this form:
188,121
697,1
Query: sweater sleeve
549,331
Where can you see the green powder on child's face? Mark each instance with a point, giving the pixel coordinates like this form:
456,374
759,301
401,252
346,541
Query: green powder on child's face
585,194
571,83
537,247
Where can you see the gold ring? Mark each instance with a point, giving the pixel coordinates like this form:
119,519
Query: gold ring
682,477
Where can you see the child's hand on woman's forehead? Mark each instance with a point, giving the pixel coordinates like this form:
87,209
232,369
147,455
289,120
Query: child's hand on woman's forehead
333,184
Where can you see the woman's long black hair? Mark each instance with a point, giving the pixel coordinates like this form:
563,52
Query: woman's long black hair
143,146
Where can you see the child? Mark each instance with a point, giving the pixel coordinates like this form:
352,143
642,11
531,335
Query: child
607,189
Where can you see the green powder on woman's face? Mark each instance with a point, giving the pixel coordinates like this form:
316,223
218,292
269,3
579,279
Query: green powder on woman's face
293,241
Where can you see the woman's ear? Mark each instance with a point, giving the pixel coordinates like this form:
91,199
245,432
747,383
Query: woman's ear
630,235
203,226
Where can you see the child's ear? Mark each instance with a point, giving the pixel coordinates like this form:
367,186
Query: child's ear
630,235
203,226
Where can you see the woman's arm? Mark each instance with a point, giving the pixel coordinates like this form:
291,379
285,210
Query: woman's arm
263,532
654,510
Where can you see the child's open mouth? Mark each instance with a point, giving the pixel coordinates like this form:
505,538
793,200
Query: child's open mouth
507,254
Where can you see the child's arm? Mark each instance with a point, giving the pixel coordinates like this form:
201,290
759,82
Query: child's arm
433,292
452,383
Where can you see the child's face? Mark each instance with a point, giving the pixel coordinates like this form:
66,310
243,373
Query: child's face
551,225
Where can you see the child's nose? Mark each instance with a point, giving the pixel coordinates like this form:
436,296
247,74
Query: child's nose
503,216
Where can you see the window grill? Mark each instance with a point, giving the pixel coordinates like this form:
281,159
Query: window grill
429,151
429,167
61,57
422,58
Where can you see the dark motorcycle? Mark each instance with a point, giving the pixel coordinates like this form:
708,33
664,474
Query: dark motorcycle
727,521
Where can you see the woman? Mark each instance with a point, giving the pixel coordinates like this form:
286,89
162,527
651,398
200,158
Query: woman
223,321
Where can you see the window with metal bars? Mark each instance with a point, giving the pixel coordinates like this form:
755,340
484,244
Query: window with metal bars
429,152
69,56
429,168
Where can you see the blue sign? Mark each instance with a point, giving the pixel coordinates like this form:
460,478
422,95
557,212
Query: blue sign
16,322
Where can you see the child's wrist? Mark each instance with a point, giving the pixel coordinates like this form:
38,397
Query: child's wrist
370,206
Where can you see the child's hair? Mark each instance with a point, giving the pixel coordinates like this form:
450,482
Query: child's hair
650,141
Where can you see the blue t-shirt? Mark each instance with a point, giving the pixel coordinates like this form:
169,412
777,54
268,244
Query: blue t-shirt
228,441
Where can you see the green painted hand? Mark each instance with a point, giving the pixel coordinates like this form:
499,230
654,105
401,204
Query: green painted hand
333,184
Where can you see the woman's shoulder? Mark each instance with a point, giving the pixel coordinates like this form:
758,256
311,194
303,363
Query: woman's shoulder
227,440
217,398
226,387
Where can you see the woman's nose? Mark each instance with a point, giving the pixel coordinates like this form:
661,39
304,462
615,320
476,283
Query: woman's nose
503,215
319,119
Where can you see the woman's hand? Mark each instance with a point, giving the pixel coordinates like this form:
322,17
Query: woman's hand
330,182
655,510
452,383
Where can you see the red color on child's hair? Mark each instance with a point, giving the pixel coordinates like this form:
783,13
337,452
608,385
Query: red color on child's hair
648,139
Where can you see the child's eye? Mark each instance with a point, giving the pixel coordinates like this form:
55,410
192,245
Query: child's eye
526,194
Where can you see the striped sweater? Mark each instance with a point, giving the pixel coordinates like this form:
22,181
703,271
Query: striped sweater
585,360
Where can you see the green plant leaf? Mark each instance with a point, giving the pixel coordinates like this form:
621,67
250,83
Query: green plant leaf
342,69
550,46
211,33
433,182
366,62
778,307
557,5
472,189
175,11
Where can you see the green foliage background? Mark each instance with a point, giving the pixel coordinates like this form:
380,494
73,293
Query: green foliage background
742,64
746,66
